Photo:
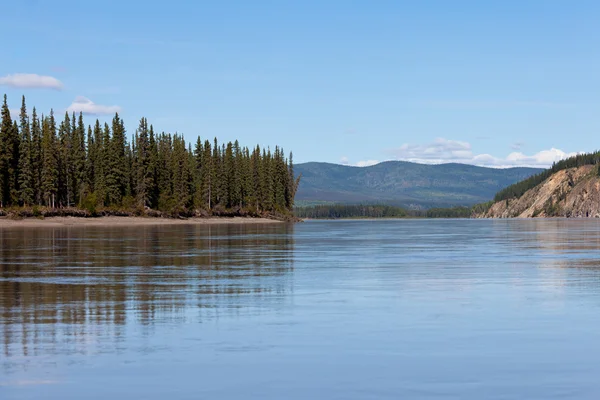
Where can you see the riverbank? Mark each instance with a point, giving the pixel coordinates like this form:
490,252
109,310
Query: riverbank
127,221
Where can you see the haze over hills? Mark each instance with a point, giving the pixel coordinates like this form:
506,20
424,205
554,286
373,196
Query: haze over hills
404,183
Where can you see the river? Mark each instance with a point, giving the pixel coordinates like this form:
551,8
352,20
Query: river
380,309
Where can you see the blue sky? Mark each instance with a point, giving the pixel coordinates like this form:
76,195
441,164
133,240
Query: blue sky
355,82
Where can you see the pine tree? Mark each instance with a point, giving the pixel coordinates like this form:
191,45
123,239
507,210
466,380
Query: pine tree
118,158
26,173
99,167
79,160
152,176
197,171
90,161
50,161
36,157
143,173
207,176
63,147
14,163
111,196
6,127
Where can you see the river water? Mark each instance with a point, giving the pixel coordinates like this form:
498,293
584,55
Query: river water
394,309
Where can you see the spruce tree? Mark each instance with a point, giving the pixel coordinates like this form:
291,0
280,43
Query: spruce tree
63,147
118,158
36,157
6,127
50,161
207,175
90,161
79,160
111,196
15,144
143,173
26,194
99,167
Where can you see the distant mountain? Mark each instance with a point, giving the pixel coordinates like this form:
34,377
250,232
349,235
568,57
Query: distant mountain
404,183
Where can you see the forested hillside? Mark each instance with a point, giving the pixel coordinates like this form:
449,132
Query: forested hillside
518,189
62,164
404,184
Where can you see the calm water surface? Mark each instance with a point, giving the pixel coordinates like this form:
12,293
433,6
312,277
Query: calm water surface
452,309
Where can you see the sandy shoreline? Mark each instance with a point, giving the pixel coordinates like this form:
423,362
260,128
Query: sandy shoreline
127,221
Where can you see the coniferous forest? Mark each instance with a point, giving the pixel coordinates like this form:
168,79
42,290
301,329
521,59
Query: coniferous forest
64,164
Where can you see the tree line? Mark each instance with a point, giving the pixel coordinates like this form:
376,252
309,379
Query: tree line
518,189
338,211
44,162
346,211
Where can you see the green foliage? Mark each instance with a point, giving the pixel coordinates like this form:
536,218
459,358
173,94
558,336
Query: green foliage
340,211
26,172
454,212
100,171
337,211
89,203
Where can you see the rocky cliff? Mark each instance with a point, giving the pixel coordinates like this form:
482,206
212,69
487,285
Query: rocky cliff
573,192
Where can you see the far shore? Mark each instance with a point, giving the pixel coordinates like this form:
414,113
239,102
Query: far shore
127,221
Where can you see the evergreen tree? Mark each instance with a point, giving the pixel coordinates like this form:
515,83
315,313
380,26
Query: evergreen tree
198,166
50,161
64,195
36,157
79,160
118,157
15,148
207,174
26,173
90,161
143,173
6,127
99,167
112,194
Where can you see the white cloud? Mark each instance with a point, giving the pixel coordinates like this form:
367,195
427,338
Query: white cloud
86,106
452,151
367,163
31,81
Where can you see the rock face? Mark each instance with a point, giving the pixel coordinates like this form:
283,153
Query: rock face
573,192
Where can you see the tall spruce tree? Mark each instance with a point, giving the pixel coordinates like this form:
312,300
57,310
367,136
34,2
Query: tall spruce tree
50,161
26,179
36,157
5,154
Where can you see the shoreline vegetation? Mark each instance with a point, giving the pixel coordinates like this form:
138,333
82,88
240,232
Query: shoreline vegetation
52,168
369,211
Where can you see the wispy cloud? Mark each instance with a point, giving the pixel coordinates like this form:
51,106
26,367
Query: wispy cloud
487,104
31,81
517,145
446,151
87,106
367,163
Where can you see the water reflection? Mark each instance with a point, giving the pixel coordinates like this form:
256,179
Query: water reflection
63,289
